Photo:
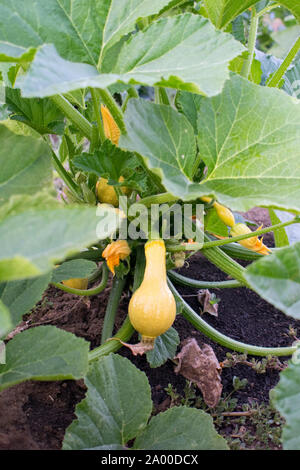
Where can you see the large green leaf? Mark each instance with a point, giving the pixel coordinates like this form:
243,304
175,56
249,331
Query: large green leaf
41,114
222,12
82,30
25,164
117,405
277,279
33,241
181,428
5,322
76,268
21,296
189,40
286,398
249,138
166,141
44,353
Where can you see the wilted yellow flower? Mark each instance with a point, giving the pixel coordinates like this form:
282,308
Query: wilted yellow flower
223,212
114,252
111,130
253,243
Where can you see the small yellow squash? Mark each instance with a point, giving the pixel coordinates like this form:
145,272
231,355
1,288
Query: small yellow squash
152,308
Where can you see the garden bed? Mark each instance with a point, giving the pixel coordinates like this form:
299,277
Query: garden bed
34,415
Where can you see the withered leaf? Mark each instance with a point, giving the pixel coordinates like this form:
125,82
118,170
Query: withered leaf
201,366
208,302
138,348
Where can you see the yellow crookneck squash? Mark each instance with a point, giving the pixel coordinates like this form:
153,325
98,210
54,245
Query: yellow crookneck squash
152,308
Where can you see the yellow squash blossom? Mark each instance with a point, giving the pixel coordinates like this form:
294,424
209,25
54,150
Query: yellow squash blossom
111,129
253,243
223,212
114,252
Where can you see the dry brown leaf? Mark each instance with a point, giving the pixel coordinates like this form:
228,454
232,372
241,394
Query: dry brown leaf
138,348
201,366
208,303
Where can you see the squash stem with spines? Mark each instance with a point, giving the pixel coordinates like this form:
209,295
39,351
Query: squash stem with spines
158,199
267,9
276,77
131,93
65,176
201,325
74,116
161,96
126,331
86,292
112,307
114,109
97,111
224,241
251,43
196,284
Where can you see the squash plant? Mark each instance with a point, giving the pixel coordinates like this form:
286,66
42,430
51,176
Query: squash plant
212,135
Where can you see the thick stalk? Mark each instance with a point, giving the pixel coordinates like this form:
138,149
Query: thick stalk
161,96
158,199
224,340
127,330
112,307
131,93
74,116
114,109
276,77
86,292
186,281
251,43
96,105
226,241
65,176
124,334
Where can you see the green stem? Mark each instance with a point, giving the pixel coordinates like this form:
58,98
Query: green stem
225,263
74,116
97,111
186,281
251,43
161,96
267,9
127,330
225,241
158,199
86,292
239,252
113,344
65,176
131,93
173,4
88,254
277,76
114,109
112,307
224,340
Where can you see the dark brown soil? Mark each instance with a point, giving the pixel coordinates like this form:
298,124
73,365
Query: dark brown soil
34,415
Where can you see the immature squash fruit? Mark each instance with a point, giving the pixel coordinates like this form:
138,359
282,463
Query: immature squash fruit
152,308
106,192
76,283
